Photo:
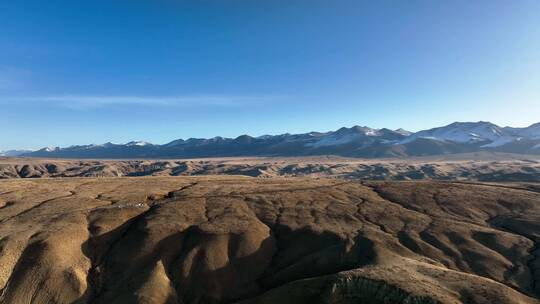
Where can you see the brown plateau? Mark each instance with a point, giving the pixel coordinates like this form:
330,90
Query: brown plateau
226,239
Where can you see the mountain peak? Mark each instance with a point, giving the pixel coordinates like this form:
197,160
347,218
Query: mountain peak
403,132
361,130
354,141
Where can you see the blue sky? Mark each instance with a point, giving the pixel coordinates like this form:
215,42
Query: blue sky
78,72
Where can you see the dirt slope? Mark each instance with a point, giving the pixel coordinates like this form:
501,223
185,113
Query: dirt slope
276,240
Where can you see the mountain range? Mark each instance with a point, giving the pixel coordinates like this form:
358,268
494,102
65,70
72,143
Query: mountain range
14,152
458,137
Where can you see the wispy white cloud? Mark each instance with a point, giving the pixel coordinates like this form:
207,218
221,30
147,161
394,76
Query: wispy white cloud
88,102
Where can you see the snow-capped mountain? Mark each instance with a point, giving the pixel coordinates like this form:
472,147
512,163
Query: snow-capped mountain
356,141
343,136
462,132
403,132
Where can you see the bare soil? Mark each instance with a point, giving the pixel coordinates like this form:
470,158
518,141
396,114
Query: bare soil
227,239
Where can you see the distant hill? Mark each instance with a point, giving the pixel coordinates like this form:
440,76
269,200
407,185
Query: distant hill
458,137
14,152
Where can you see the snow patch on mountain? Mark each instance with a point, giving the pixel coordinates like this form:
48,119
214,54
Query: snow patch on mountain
403,132
460,132
138,143
501,141
333,140
343,136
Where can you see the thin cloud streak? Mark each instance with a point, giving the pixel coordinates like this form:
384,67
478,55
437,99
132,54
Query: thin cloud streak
88,102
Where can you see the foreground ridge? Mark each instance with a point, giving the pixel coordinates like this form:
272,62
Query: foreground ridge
278,240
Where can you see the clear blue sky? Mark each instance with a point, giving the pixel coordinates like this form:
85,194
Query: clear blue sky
77,72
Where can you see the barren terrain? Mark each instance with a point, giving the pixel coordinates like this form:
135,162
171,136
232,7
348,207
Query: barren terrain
226,239
474,166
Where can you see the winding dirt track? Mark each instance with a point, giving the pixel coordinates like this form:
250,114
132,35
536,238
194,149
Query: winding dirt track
277,240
